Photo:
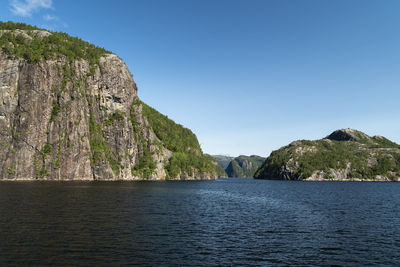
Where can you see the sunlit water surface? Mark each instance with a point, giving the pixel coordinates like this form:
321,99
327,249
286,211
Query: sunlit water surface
223,222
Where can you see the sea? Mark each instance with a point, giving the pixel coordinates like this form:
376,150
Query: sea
226,222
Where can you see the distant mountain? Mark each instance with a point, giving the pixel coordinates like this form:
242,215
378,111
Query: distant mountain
244,166
345,154
218,168
223,160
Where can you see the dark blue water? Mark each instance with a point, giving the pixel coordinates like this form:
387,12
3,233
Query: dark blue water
223,222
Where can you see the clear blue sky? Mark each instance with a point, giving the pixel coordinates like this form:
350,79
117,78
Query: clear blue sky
247,76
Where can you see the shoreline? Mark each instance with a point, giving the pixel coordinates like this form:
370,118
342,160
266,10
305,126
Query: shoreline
334,180
194,180
101,180
349,180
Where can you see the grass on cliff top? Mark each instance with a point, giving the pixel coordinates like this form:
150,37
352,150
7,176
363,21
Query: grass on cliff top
187,154
53,46
9,25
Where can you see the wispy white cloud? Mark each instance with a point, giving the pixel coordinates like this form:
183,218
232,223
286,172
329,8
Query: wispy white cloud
49,17
27,7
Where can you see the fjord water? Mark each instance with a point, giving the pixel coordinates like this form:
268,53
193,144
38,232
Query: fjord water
224,222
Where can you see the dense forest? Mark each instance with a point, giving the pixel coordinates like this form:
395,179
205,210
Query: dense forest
187,154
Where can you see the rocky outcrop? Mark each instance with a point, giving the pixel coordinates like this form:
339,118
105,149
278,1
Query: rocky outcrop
344,155
63,119
347,135
244,166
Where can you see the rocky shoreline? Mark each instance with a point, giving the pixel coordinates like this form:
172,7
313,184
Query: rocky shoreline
349,180
100,180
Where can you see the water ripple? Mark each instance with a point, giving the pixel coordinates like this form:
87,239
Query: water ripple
214,223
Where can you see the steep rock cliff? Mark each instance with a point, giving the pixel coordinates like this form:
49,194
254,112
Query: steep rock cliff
70,110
